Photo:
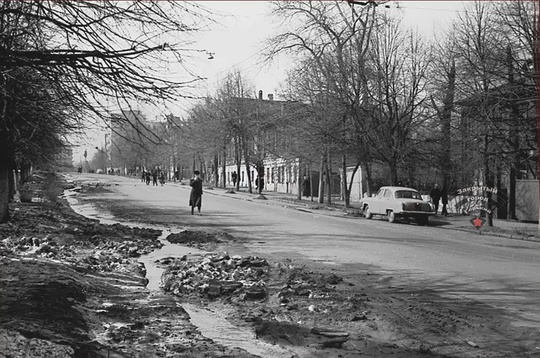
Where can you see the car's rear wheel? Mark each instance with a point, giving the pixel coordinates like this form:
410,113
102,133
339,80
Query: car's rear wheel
391,217
367,213
422,220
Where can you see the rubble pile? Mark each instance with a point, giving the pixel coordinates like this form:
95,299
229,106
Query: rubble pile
37,233
306,284
217,275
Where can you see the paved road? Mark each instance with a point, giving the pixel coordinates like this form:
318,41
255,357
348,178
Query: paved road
499,271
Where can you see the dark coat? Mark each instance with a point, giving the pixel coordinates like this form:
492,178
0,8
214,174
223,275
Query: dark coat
195,198
444,195
435,194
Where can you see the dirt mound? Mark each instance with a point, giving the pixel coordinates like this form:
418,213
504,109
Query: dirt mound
193,238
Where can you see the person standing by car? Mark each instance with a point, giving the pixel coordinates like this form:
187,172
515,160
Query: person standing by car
444,200
234,176
195,198
435,195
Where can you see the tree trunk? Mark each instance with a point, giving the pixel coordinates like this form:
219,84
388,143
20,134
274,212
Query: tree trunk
351,183
321,179
224,169
346,190
514,140
216,171
367,171
329,177
536,58
238,154
4,192
299,179
448,107
488,182
393,173
248,171
310,176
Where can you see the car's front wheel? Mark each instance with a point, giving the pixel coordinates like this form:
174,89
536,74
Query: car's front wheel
391,217
367,213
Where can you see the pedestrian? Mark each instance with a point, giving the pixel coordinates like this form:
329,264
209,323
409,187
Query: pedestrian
148,177
154,177
444,200
435,195
306,187
161,178
234,176
195,198
260,184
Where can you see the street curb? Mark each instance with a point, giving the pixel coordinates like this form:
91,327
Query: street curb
355,212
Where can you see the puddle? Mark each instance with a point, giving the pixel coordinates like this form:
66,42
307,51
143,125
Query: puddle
153,271
90,211
212,323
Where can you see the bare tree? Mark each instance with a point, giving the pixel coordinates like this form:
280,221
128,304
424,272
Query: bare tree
516,19
494,91
238,111
333,39
397,93
442,95
228,120
89,51
312,126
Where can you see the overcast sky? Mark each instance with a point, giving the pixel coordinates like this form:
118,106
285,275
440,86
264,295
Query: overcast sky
238,39
242,27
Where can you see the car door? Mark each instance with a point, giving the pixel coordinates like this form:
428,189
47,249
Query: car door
387,201
378,203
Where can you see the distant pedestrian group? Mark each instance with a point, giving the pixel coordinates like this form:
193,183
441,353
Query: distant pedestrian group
156,176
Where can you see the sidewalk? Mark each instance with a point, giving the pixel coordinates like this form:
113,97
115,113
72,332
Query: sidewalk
503,228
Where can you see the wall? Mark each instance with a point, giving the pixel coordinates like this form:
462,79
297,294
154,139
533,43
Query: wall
527,200
357,189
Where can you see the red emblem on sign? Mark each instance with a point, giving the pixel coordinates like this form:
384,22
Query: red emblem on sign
478,222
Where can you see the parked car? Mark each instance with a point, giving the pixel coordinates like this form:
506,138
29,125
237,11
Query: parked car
398,202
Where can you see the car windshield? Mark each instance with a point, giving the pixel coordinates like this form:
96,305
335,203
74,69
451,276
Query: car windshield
407,194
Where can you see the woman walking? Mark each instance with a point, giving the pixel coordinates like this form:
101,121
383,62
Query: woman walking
195,198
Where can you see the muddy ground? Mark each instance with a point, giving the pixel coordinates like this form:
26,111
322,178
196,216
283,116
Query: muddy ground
72,287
